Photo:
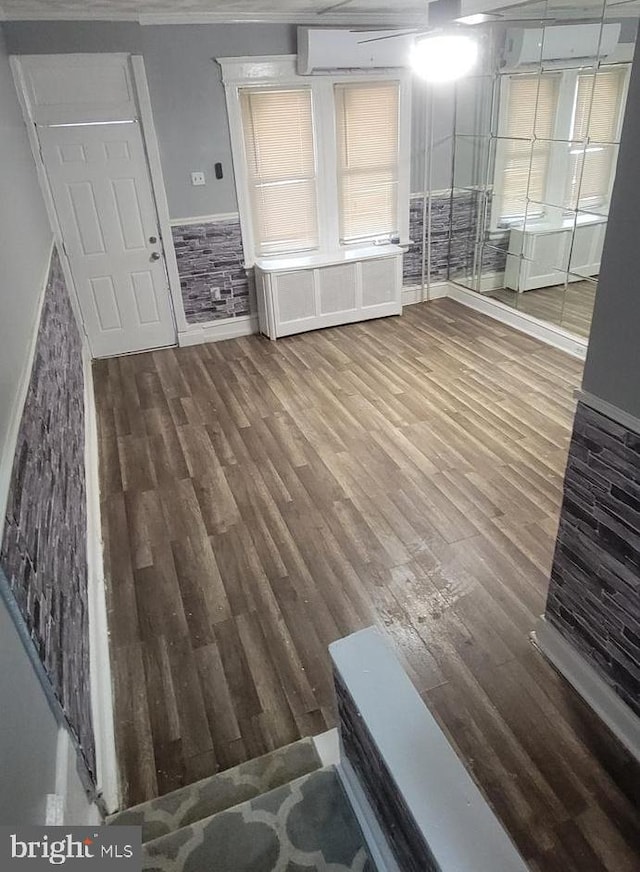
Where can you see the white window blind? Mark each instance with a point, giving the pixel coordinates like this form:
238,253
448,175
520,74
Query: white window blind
594,130
367,130
280,158
530,112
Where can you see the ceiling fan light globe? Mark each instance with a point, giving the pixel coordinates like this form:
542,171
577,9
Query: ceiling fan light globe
443,58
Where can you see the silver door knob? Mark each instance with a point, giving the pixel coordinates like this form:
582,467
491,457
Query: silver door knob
155,255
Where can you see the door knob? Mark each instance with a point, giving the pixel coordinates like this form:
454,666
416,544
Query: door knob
155,255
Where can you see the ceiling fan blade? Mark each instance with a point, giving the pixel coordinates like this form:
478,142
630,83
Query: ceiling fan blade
392,35
530,20
498,18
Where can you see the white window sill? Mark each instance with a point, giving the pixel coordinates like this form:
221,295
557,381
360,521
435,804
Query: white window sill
564,224
284,263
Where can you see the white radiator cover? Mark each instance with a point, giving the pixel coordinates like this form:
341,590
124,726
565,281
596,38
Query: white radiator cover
304,294
552,254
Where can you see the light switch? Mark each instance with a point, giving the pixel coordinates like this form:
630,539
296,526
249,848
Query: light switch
197,179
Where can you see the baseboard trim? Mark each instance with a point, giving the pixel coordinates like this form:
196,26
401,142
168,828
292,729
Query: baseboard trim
548,333
107,780
15,419
491,281
412,294
71,804
622,722
229,328
245,325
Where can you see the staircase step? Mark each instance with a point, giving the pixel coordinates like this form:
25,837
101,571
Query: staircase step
305,825
163,815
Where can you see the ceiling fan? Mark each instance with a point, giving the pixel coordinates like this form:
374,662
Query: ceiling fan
444,50
447,13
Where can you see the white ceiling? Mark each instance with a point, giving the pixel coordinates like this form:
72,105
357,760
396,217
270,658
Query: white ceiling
561,10
398,12
317,11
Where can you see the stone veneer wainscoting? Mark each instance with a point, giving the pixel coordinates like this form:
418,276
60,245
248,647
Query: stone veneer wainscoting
407,842
594,594
214,282
44,545
454,226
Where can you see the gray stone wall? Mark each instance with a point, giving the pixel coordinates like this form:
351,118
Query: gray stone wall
594,594
440,219
44,544
454,228
398,824
214,282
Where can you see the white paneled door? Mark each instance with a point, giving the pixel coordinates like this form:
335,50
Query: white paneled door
102,192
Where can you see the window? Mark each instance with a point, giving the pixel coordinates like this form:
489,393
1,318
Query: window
595,120
281,172
367,147
321,163
567,161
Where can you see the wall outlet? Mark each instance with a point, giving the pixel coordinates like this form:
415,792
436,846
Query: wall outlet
197,179
216,293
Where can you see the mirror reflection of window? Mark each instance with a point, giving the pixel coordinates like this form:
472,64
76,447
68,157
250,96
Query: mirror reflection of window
557,142
536,160
596,122
529,109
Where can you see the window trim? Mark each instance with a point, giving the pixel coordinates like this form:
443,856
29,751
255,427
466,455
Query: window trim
279,71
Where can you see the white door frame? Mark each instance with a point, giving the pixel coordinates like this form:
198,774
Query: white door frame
152,149
101,687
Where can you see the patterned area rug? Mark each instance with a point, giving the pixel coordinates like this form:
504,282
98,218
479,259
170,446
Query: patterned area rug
302,826
222,791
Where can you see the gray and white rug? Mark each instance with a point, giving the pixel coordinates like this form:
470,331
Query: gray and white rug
222,791
303,826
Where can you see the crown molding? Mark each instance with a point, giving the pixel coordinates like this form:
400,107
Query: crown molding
344,19
49,17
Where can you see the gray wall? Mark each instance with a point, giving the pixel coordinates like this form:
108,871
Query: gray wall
188,98
25,240
28,729
29,733
189,107
612,370
442,116
67,37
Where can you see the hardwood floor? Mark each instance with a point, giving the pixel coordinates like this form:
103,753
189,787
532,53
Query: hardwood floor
570,307
261,499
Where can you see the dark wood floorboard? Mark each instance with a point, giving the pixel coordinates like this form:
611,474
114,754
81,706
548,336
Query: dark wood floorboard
262,499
